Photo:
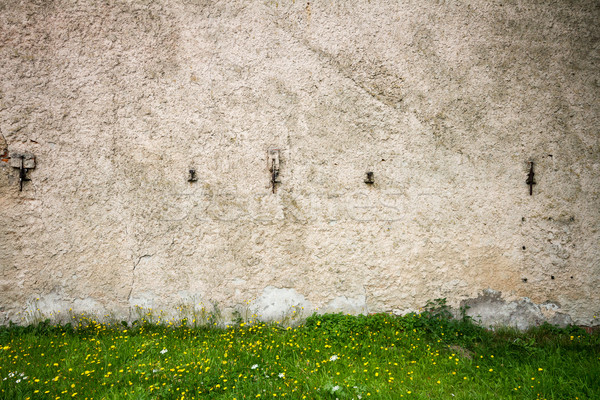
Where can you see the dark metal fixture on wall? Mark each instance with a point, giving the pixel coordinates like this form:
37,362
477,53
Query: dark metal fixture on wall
24,162
273,165
192,177
530,181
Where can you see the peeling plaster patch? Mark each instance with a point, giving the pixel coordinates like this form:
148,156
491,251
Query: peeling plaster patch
277,304
55,307
347,305
191,304
88,306
40,308
142,299
489,309
549,307
550,312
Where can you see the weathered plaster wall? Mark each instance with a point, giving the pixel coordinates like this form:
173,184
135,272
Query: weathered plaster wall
445,101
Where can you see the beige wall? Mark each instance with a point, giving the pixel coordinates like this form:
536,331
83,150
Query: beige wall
446,102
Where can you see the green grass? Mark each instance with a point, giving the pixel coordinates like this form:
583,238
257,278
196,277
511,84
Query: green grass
333,356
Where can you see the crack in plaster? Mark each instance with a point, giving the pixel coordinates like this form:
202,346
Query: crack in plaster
133,274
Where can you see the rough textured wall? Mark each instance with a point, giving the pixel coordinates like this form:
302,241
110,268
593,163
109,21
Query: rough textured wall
446,102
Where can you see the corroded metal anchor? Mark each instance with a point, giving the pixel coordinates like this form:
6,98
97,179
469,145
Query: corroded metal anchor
274,167
22,174
530,180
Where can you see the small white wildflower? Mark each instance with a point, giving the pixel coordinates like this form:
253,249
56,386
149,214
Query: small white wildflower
17,381
335,388
163,351
10,374
281,375
359,396
22,374
333,358
254,366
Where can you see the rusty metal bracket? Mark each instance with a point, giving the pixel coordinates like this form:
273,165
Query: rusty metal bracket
530,181
192,177
24,162
273,164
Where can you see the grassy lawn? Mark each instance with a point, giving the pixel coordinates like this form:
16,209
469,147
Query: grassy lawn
333,356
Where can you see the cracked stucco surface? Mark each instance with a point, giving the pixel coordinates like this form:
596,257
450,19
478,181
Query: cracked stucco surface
446,102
